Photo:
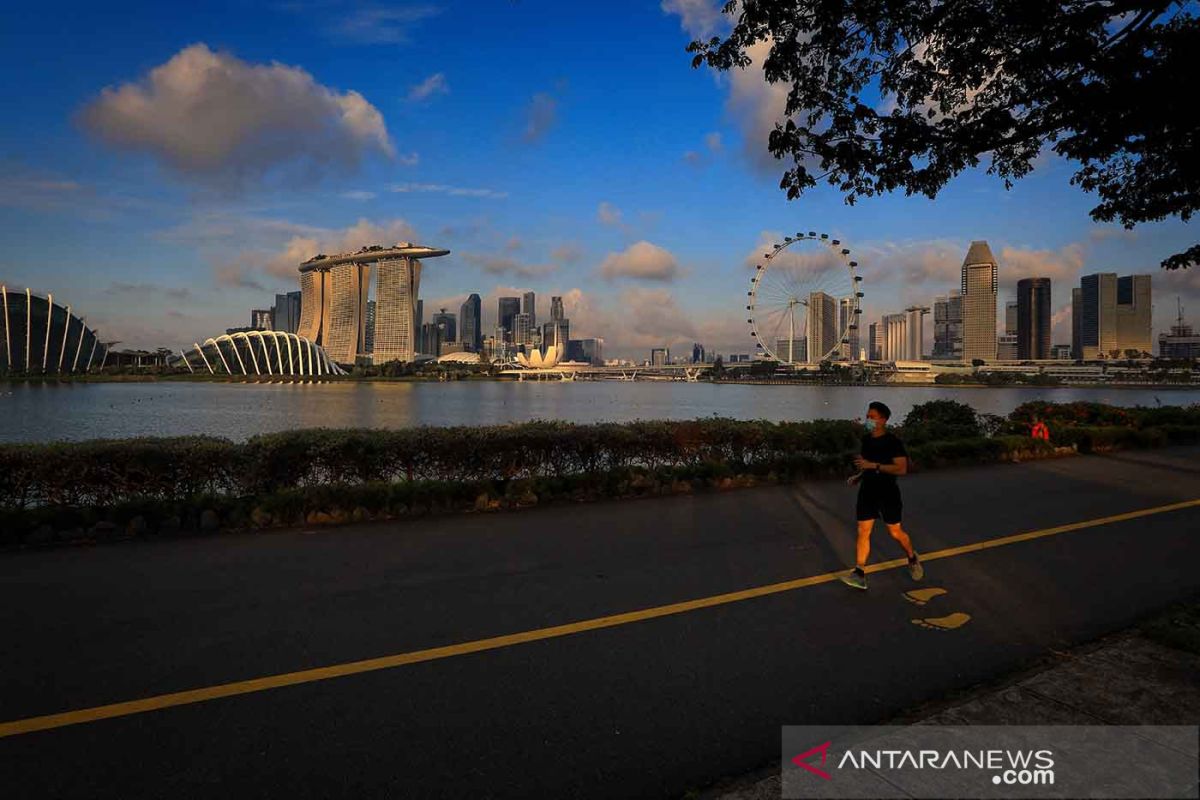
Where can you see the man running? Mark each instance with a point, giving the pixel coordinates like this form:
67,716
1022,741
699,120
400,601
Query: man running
883,458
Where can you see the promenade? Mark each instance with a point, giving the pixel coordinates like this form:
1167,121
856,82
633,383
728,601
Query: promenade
619,649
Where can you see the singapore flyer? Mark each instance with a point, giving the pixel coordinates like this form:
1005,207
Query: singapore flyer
804,302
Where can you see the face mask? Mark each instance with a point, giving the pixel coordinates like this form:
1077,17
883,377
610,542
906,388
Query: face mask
870,423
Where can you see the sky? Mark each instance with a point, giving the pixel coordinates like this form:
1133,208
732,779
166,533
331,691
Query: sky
164,169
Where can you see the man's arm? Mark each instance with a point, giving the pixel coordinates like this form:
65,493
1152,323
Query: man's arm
899,466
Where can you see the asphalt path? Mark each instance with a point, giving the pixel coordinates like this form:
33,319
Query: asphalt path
650,707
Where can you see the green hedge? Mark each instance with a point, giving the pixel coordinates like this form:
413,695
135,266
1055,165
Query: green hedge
110,487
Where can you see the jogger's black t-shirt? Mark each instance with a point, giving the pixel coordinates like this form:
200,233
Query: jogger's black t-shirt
881,450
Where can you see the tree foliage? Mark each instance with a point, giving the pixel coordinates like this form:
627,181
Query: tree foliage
905,94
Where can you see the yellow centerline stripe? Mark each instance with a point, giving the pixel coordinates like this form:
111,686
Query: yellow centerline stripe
235,688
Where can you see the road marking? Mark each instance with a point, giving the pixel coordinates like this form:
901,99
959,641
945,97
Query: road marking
947,623
158,702
922,596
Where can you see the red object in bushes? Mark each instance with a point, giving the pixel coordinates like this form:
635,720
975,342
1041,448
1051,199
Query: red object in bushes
1040,431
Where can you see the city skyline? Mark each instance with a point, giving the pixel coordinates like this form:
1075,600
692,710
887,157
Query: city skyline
190,231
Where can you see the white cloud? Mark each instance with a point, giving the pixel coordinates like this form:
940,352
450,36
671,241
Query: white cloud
453,191
381,24
433,85
713,141
540,117
643,261
608,214
756,106
358,194
699,18
214,117
505,265
567,253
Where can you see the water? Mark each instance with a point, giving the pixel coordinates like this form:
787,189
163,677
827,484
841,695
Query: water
43,412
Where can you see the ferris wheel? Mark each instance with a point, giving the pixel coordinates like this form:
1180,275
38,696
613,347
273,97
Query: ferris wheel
804,301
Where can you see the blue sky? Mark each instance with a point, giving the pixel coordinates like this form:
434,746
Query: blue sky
169,167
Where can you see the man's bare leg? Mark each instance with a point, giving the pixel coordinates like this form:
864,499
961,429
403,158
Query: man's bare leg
900,536
863,551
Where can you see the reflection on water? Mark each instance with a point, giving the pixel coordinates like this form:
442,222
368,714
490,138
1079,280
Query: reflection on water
39,412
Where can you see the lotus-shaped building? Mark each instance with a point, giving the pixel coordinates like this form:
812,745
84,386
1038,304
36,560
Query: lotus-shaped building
536,359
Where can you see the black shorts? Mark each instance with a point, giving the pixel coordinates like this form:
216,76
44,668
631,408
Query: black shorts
879,502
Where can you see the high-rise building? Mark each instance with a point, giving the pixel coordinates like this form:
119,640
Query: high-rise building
260,319
508,308
1033,318
1061,352
1182,341
697,353
794,351
420,320
894,344
522,329
556,333
334,296
1010,317
821,330
370,334
1113,315
285,316
1134,326
556,309
431,339
470,314
914,332
1006,347
947,327
529,306
659,356
447,325
873,342
590,351
979,285
848,315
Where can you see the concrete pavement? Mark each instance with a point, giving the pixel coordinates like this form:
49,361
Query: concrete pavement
649,708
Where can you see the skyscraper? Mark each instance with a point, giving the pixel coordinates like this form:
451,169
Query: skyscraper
848,329
873,342
556,333
522,329
659,356
947,327
821,328
472,329
697,353
447,325
1010,317
1134,332
895,338
508,308
1033,318
285,316
556,309
979,302
529,306
1113,315
914,332
333,306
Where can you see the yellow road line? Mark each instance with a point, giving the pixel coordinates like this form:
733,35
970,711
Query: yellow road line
173,699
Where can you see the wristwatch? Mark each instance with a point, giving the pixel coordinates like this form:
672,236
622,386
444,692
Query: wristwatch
877,469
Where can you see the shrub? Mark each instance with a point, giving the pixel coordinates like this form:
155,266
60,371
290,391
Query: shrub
940,420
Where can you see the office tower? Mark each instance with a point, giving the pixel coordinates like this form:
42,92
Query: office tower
1006,347
447,325
873,342
430,339
821,328
529,306
260,319
522,329
508,308
794,351
895,337
979,303
1114,315
697,353
470,314
1182,341
848,329
1010,317
659,356
556,333
914,332
333,304
947,327
285,316
593,350
1033,318
420,320
1077,322
370,333
1134,333
556,309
